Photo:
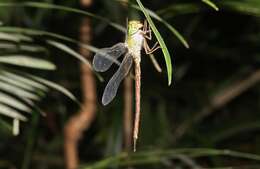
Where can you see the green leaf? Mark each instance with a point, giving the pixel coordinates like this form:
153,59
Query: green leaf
73,53
13,102
248,7
31,48
7,111
69,51
166,24
53,35
159,156
57,36
22,79
63,8
179,9
17,91
55,86
16,127
8,45
170,27
5,36
211,4
176,33
14,48
14,37
26,61
165,51
155,63
16,83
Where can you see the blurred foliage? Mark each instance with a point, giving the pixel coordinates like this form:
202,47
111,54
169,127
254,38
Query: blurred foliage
223,53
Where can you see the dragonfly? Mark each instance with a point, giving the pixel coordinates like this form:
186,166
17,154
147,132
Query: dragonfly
137,35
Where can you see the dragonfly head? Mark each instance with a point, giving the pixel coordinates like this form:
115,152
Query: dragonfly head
134,26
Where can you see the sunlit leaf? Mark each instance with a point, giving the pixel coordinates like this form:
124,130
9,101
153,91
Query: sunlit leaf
26,61
13,102
7,45
27,81
10,112
16,127
31,48
211,4
17,91
55,86
5,36
16,83
14,37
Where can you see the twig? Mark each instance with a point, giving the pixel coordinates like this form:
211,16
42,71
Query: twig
155,63
81,121
218,101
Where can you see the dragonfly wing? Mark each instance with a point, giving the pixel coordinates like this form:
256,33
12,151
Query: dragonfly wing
113,84
107,56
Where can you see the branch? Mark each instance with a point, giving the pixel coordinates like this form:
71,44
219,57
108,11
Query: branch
81,121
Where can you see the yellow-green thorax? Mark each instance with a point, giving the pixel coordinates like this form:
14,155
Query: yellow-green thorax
135,38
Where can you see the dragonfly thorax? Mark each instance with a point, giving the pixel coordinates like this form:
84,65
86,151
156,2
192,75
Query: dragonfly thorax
135,44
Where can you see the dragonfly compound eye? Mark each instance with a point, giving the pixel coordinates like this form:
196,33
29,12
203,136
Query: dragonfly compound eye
134,26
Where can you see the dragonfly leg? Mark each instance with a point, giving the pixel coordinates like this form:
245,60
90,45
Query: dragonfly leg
149,50
147,33
145,26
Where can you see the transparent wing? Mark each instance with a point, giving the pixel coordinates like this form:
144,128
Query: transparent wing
113,84
107,56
